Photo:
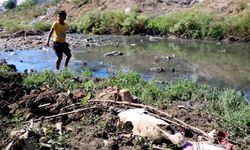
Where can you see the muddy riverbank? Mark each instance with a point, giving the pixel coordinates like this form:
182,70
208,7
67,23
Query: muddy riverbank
93,128
215,63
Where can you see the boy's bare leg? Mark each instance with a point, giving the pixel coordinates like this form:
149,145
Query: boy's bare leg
58,62
67,61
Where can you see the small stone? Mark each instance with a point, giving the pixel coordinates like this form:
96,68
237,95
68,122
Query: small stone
125,95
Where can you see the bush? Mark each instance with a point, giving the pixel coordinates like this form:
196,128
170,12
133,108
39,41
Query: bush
28,4
234,110
133,24
190,25
11,25
216,30
109,23
42,26
37,79
9,4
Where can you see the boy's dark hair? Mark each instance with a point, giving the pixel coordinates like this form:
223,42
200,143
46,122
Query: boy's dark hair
62,13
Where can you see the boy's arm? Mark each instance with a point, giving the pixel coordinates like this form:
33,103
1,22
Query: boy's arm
50,33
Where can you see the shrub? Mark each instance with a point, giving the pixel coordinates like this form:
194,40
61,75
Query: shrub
5,68
187,27
28,4
233,109
133,24
42,26
9,4
216,30
84,23
37,79
109,23
12,25
184,90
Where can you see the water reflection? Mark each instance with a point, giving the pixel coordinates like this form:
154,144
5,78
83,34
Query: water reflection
219,65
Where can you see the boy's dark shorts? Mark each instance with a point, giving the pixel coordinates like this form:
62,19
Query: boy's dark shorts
61,48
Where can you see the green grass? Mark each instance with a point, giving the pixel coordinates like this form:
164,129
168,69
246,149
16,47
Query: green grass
5,68
230,106
154,94
47,77
233,109
186,24
109,22
21,17
64,80
44,26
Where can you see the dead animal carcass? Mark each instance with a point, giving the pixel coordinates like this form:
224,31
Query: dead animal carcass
146,125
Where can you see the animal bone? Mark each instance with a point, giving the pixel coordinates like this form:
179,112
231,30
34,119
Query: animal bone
146,125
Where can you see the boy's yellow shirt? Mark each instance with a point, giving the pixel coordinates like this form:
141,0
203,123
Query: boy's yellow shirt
60,31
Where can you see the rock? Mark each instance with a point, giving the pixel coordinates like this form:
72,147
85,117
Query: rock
3,62
114,53
155,38
157,69
26,33
172,37
79,93
9,50
173,69
110,93
234,38
125,95
247,140
37,42
12,53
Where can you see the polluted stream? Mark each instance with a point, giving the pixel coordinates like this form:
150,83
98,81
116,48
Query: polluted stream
217,64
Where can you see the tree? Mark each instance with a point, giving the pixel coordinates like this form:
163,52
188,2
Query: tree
9,4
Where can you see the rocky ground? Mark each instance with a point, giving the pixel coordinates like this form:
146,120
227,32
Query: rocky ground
49,118
35,39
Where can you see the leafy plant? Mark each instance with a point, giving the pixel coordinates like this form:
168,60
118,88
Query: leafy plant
42,26
54,138
28,4
233,109
88,73
9,4
5,68
37,79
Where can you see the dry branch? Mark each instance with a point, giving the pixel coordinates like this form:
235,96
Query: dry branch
67,113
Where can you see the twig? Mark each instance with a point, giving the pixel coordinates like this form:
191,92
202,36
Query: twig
44,105
181,123
158,148
60,84
67,113
70,106
45,145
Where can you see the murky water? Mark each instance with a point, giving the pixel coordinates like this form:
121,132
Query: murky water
220,65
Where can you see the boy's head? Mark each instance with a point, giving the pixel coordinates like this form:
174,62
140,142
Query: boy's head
61,16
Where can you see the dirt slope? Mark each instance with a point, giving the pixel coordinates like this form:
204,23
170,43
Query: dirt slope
154,8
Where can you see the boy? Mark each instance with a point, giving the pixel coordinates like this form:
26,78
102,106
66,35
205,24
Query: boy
59,29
